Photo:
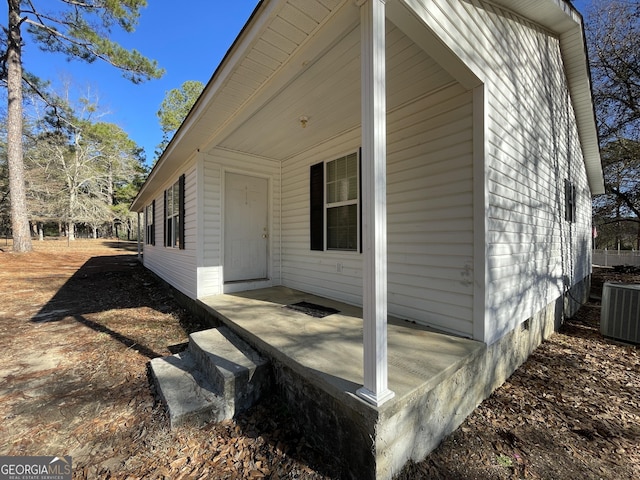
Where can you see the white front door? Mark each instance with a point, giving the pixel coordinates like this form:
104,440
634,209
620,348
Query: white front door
246,228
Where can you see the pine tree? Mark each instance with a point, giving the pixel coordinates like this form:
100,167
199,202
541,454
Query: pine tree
79,29
174,109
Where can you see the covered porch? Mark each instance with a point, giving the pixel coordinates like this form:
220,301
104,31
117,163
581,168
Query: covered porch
329,350
318,368
357,78
372,86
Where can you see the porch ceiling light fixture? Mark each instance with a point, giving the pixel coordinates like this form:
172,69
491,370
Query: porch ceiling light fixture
303,121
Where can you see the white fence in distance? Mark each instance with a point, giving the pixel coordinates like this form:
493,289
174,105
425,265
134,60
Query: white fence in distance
609,258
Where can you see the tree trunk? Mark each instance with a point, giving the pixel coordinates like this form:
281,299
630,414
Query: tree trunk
71,231
15,161
40,232
110,184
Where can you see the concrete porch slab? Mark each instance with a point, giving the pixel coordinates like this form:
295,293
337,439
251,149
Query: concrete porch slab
318,366
330,348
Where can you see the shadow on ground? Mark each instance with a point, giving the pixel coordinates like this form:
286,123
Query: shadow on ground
98,291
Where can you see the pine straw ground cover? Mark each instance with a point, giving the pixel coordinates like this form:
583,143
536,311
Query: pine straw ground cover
79,323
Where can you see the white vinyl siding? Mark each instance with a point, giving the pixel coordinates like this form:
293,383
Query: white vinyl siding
210,270
430,211
429,193
533,254
176,266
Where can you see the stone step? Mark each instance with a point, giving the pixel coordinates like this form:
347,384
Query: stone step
231,365
217,377
188,397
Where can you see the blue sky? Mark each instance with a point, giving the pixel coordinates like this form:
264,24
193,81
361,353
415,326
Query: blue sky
188,39
581,5
188,43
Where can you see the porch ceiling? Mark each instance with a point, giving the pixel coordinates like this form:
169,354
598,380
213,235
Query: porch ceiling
326,92
282,40
298,59
294,59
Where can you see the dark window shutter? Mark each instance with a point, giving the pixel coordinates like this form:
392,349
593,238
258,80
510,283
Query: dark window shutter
181,211
153,223
316,214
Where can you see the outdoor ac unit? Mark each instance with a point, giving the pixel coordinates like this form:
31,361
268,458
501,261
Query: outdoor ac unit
620,315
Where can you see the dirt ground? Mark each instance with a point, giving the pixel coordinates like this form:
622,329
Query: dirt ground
79,323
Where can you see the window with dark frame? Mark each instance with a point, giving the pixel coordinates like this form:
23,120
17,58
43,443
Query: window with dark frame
570,201
174,215
149,218
335,204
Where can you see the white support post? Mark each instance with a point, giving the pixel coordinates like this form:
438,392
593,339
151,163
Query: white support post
374,202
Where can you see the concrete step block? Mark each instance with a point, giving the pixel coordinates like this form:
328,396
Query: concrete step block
238,373
188,396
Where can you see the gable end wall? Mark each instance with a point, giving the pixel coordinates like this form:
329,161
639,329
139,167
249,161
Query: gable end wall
533,254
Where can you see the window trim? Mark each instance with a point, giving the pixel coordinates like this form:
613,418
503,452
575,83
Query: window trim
174,220
150,223
319,206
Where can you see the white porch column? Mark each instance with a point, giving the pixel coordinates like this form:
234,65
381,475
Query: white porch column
374,202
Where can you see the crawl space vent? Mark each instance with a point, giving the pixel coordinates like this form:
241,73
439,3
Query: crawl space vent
312,309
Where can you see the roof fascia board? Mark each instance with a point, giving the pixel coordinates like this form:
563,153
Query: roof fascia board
575,59
252,29
556,16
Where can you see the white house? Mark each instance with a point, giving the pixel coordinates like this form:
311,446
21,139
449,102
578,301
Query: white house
433,160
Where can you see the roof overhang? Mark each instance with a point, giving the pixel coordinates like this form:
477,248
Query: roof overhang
227,101
185,142
266,57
